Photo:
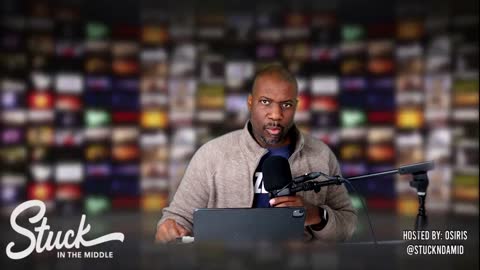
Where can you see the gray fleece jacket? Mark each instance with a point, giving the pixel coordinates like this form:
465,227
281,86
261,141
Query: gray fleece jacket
220,175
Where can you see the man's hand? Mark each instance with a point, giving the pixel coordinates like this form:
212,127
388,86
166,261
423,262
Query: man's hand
169,230
312,217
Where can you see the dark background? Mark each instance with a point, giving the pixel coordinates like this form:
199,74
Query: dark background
415,100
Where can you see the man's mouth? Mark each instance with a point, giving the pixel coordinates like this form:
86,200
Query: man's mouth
274,131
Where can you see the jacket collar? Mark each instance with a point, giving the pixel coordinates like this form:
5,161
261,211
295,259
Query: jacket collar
253,148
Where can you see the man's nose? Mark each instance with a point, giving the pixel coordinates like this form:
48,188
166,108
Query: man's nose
276,112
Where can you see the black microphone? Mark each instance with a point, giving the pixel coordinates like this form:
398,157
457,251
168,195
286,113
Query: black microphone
277,176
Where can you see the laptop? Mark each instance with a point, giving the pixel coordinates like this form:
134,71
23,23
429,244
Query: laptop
248,224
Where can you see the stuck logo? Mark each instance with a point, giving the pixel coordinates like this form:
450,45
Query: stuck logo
58,240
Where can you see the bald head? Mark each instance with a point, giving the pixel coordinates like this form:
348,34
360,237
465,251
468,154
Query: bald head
275,71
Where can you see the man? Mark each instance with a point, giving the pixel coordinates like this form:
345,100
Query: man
220,173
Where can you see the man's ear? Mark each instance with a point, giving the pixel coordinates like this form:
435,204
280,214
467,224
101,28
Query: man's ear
249,102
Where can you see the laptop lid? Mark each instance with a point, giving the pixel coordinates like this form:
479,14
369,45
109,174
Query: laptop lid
248,224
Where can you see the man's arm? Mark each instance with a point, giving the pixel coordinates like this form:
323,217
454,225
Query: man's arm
342,217
193,192
337,222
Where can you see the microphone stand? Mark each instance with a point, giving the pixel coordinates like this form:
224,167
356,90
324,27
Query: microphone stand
419,182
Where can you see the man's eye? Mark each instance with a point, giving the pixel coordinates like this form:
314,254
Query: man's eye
287,105
264,102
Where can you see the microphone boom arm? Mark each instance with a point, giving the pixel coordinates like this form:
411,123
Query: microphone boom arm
419,182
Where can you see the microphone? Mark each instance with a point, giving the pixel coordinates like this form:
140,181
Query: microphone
277,176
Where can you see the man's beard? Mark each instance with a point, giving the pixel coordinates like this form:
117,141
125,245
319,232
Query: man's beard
276,139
